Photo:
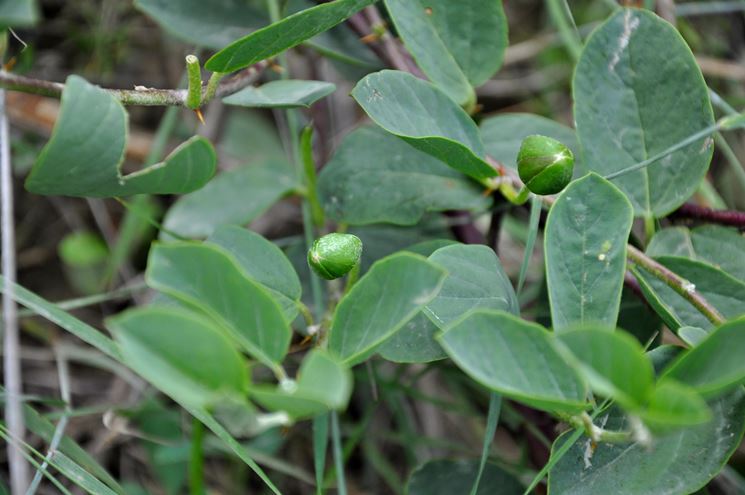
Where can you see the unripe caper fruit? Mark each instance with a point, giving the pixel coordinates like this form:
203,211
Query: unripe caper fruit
334,255
545,165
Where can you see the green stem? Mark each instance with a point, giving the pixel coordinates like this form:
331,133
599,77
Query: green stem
568,35
196,459
734,163
598,434
649,227
131,207
306,146
212,84
515,197
675,282
82,302
354,275
341,485
194,79
291,117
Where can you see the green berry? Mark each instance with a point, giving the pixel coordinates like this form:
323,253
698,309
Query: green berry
545,165
334,255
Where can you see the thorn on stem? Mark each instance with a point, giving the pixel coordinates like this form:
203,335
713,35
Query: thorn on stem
200,116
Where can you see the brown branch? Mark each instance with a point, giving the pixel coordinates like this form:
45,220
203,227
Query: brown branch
675,282
721,217
138,96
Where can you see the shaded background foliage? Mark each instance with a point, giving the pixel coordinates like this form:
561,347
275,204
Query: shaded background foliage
417,412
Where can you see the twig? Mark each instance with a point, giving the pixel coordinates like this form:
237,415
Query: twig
140,95
721,217
11,343
675,282
390,46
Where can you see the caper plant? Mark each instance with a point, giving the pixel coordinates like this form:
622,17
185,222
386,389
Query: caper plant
625,333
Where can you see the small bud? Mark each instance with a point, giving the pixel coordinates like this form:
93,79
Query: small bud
334,255
545,165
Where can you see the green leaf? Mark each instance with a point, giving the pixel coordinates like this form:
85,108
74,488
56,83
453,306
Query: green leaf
725,293
211,24
376,177
692,335
679,462
715,364
637,91
17,13
85,153
504,133
456,44
264,263
414,343
426,118
181,353
613,363
381,240
323,384
722,247
446,477
234,197
78,474
673,405
516,358
281,94
287,33
585,242
380,304
475,280
210,280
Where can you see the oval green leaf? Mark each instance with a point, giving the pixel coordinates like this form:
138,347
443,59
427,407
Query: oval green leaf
281,94
210,280
475,280
181,353
234,197
585,242
426,118
674,405
394,290
414,343
516,358
264,263
287,33
376,177
613,363
456,44
637,91
84,156
715,364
